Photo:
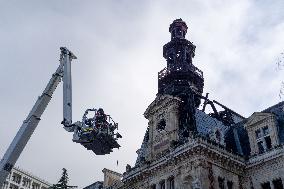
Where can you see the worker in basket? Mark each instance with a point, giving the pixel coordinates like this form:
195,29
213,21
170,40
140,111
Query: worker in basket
88,123
101,120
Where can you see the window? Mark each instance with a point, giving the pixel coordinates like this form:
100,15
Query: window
277,184
230,185
263,139
16,178
12,186
268,142
221,182
162,185
26,182
35,185
260,147
265,185
218,135
161,125
265,130
171,183
258,133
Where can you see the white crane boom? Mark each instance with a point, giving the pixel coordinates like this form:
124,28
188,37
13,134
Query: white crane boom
66,57
29,125
95,133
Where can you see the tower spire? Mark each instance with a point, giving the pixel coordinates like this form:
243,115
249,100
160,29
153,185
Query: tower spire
180,74
181,78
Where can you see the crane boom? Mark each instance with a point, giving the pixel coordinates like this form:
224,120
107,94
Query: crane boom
96,134
30,123
66,57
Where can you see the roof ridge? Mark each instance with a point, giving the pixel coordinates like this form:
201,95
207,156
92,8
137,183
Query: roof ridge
274,106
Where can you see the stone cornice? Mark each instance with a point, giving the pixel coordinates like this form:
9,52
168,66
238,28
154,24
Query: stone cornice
105,170
197,148
21,171
261,158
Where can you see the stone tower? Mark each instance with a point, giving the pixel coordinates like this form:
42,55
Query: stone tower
181,78
172,114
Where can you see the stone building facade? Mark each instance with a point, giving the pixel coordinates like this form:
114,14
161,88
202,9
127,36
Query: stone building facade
20,179
188,147
112,180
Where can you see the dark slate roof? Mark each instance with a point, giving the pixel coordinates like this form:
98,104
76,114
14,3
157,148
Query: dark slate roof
205,123
236,137
237,140
142,151
278,111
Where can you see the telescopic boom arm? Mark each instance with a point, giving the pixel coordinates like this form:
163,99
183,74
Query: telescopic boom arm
66,57
96,134
29,125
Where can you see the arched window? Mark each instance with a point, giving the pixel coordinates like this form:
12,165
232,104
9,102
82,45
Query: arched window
171,183
162,185
161,125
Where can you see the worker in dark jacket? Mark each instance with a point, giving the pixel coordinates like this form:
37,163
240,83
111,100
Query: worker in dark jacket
101,119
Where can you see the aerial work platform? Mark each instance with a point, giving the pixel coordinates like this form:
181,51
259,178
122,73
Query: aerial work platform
101,144
96,133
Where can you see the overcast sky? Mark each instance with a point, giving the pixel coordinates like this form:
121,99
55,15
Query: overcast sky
119,48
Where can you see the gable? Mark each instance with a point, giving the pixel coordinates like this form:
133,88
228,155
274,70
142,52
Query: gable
257,117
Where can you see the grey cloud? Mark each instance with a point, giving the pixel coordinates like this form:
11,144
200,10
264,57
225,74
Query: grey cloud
119,49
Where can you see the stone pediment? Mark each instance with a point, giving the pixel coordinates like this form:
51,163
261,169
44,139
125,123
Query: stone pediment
161,101
257,117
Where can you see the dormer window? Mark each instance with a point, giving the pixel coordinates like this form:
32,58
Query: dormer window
262,132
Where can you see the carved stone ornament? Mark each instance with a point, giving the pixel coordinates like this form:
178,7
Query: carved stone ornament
196,184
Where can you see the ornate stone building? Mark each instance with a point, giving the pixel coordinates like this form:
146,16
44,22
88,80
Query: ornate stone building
186,148
112,180
20,179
